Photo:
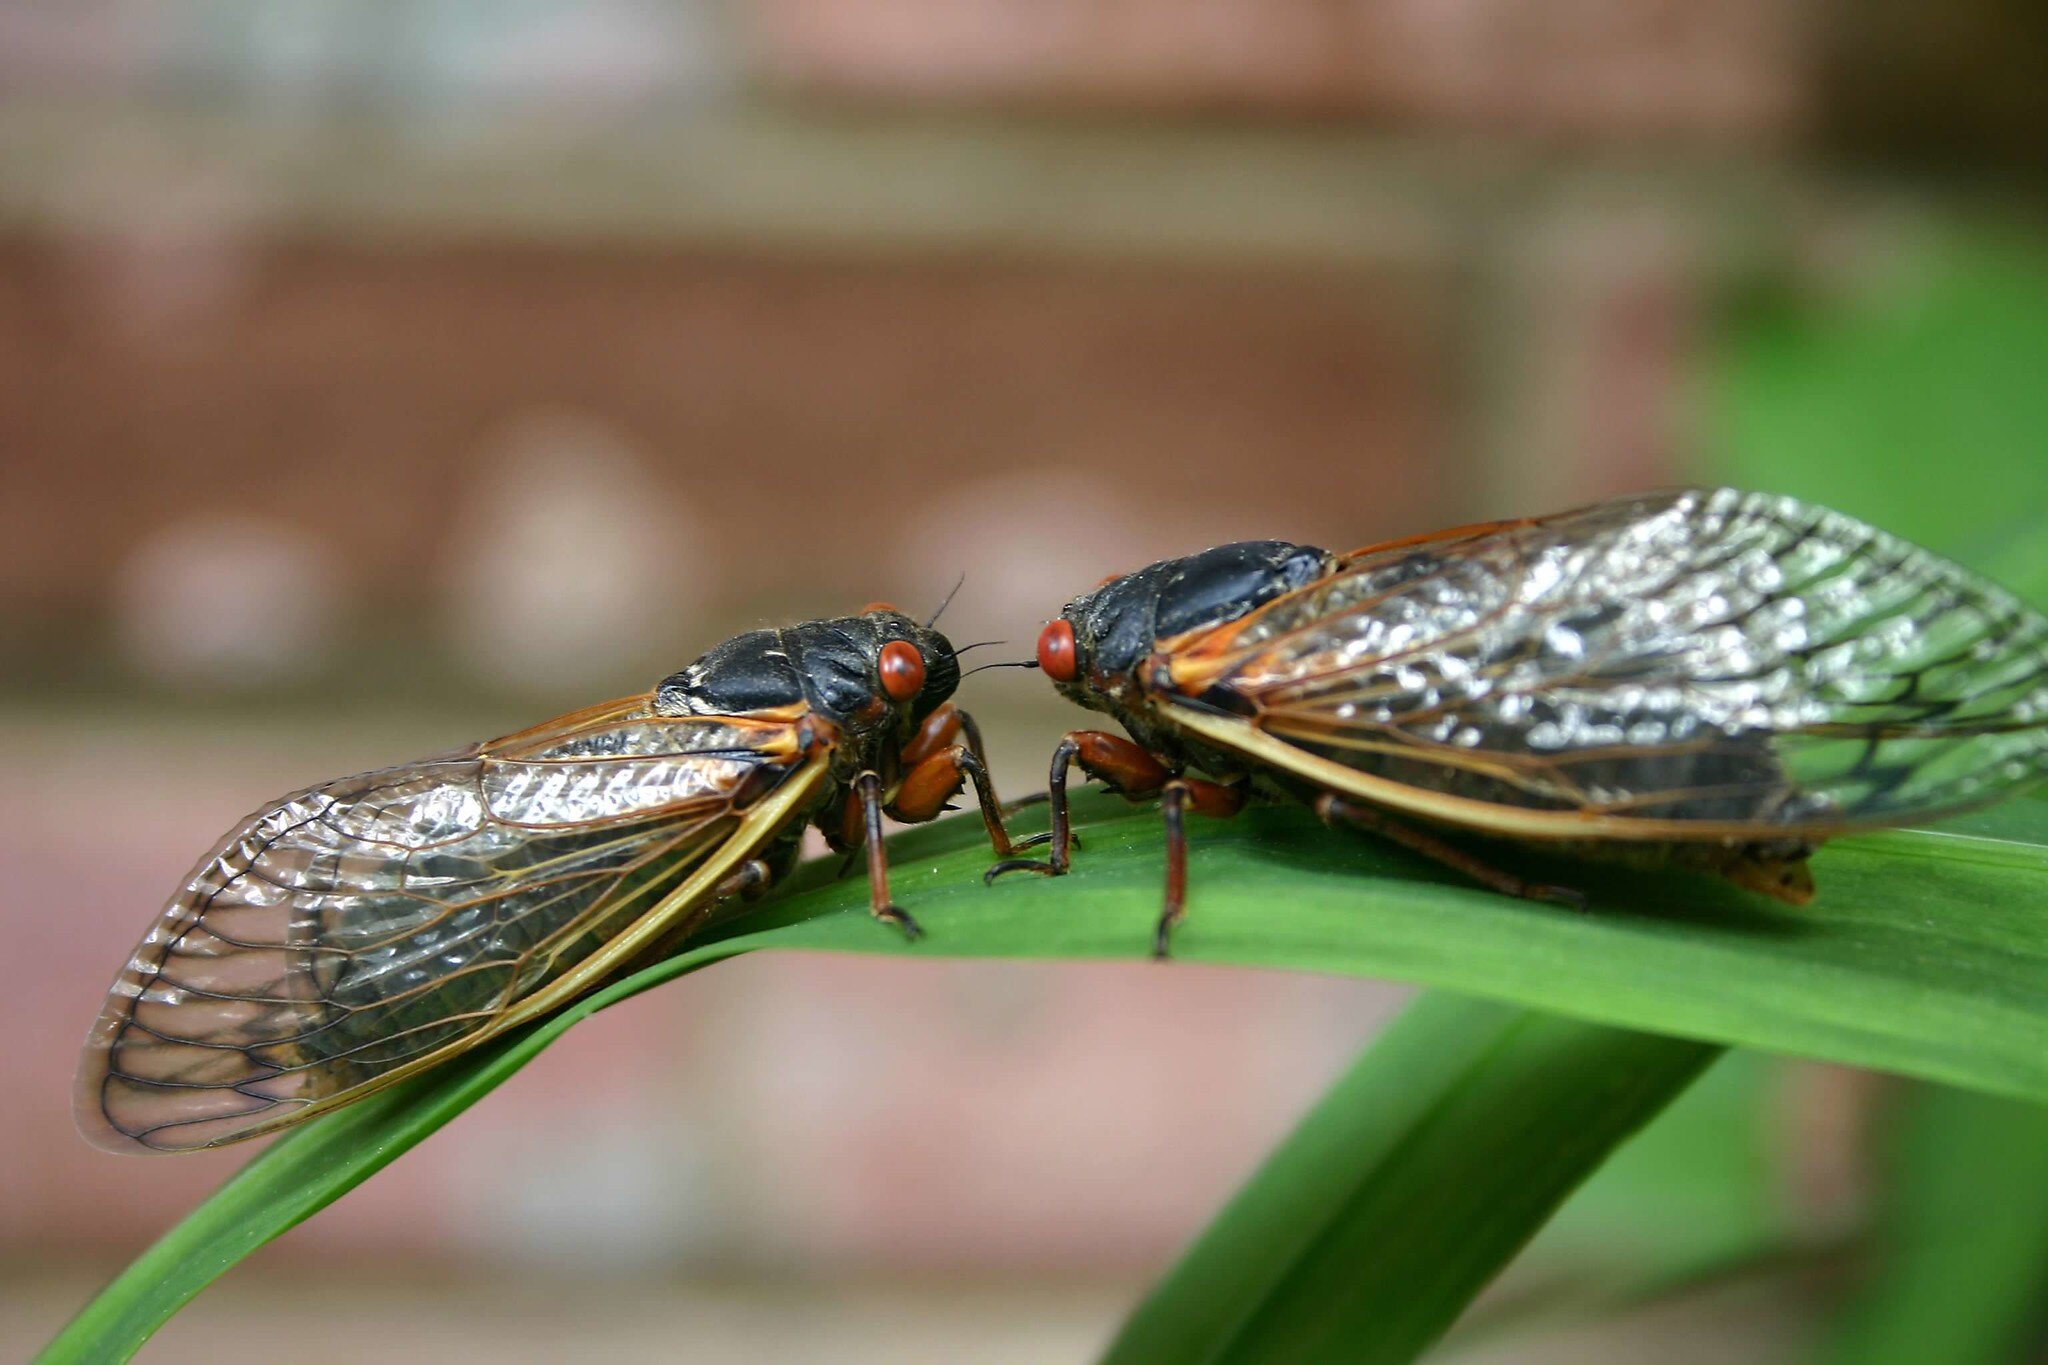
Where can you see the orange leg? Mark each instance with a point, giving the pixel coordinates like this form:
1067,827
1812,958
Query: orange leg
937,768
927,788
1334,811
937,765
868,790
1125,766
1205,798
1135,773
940,729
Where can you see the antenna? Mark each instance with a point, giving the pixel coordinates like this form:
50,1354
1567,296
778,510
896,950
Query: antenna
941,609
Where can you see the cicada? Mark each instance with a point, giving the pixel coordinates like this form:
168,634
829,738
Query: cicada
1715,679
360,931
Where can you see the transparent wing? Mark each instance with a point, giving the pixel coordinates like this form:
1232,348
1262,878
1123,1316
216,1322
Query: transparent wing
1716,662
351,932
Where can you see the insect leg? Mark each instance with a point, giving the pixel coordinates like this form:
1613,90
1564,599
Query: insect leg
945,748
753,877
1061,834
1334,811
927,789
1018,803
1127,769
869,785
1178,796
940,729
748,882
842,829
1171,800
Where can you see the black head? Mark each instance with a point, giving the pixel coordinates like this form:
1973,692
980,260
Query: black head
855,671
1102,637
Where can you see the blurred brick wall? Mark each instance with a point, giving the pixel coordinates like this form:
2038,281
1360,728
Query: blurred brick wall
551,440
1599,68
358,395
1581,68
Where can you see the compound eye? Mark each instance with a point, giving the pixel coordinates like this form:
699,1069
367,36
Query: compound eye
873,607
902,669
1056,653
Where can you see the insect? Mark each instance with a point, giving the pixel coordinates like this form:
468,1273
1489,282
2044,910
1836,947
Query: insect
357,932
1712,679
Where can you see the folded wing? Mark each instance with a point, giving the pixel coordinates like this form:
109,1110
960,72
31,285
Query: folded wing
349,933
1698,663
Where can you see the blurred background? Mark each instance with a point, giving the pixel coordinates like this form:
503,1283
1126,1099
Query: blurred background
378,376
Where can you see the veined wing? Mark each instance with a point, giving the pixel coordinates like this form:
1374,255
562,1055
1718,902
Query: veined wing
357,931
1691,664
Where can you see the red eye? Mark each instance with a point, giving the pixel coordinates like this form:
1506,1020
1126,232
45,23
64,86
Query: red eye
1056,651
902,670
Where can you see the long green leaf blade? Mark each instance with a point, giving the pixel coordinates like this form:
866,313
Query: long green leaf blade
305,1171
1417,1177
1927,954
1962,1236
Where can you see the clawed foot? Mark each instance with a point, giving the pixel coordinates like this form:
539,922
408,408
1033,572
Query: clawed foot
896,915
1569,897
988,878
1045,837
1162,941
1050,868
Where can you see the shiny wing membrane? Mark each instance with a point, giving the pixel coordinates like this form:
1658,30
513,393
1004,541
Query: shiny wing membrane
1697,664
355,932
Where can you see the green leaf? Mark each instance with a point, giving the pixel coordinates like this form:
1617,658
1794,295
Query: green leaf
1699,1192
1875,399
1926,954
1698,1200
1962,1236
1414,1180
305,1171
